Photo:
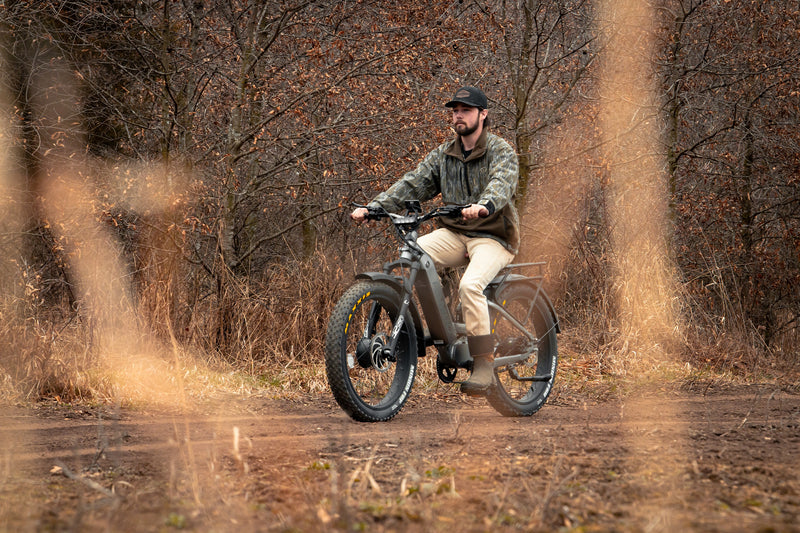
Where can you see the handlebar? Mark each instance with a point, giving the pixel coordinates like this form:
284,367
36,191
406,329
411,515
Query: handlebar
406,225
413,216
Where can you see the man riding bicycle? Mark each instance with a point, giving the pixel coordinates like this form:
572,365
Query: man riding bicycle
480,169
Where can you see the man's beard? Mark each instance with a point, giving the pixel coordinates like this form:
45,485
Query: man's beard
465,130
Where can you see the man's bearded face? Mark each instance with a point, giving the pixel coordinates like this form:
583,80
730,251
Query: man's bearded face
466,119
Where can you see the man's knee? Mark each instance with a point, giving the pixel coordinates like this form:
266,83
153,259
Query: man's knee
470,287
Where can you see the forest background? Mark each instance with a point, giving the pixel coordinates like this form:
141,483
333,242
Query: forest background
176,175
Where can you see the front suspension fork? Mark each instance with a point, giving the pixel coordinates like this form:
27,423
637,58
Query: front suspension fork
408,285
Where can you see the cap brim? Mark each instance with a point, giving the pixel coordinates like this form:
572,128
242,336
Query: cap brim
452,103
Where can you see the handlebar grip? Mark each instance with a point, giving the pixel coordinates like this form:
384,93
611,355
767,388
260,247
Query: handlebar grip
455,211
373,213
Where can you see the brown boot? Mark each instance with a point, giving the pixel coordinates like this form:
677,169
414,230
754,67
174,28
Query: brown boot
481,378
482,368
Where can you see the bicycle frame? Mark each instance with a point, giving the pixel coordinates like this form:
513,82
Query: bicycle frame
422,275
443,331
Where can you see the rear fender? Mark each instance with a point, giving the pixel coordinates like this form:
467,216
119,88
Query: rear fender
396,282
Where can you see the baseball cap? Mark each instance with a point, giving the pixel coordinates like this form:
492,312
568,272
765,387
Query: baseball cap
471,96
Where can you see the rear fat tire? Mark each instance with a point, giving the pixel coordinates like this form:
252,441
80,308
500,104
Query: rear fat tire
510,396
369,392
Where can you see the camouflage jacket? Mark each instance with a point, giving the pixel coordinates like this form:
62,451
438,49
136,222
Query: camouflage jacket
488,176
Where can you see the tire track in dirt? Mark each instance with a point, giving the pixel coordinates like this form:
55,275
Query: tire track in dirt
34,436
34,440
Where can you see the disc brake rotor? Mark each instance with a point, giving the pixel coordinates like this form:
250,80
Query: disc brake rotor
379,360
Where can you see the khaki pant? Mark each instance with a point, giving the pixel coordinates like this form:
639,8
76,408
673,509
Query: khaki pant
484,258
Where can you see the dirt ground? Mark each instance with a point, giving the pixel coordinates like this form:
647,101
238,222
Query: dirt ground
706,460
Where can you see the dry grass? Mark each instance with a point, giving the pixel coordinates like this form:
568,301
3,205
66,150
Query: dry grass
274,341
277,325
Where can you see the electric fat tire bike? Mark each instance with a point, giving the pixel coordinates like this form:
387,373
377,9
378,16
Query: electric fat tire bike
375,332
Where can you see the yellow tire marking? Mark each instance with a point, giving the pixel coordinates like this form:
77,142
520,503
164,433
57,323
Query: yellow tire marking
353,310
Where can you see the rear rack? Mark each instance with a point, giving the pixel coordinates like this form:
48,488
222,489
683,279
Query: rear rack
505,272
539,265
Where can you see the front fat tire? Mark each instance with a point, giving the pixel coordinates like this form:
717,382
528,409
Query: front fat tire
515,398
365,392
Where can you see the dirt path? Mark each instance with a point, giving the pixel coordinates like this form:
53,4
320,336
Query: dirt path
719,461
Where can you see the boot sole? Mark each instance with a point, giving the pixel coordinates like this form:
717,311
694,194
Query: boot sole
474,390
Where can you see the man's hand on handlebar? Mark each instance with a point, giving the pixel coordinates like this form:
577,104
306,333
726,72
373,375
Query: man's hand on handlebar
359,214
474,211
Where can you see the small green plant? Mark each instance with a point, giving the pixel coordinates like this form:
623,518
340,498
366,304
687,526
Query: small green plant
320,465
176,520
440,472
